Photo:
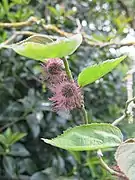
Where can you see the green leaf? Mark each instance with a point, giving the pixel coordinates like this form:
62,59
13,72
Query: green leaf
92,73
125,157
40,176
15,137
19,150
2,139
8,133
9,164
88,137
41,49
76,155
5,6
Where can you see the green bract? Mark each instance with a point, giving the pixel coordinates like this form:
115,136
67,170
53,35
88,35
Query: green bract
88,137
92,73
125,157
39,47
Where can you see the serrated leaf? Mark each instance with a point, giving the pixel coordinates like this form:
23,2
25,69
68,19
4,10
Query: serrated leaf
38,50
88,137
92,73
125,157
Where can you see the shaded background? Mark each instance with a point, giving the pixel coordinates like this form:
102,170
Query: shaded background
24,105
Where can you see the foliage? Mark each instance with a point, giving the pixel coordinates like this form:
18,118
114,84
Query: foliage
24,104
125,158
88,137
44,47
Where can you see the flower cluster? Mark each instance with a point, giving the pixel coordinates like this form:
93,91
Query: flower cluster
67,94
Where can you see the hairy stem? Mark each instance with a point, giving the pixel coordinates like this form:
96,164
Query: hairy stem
85,115
68,71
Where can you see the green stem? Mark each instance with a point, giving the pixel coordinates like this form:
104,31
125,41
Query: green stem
117,121
105,166
85,114
68,71
69,74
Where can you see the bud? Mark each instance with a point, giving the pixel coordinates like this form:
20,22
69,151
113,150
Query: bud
67,96
54,74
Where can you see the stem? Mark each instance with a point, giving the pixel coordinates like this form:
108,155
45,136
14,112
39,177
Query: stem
29,22
85,114
130,93
105,166
117,121
111,171
68,71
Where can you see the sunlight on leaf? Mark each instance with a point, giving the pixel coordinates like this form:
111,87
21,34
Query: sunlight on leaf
88,137
92,73
39,47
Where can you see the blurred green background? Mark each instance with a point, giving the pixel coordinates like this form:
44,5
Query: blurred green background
24,105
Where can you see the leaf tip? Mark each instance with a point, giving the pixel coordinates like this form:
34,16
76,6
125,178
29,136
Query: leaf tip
46,140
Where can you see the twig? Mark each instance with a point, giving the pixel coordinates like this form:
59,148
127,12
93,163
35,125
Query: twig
56,29
117,121
130,94
40,22
126,112
23,117
112,44
10,124
105,166
61,32
29,22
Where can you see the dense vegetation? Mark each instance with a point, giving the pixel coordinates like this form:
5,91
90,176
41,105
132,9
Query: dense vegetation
24,105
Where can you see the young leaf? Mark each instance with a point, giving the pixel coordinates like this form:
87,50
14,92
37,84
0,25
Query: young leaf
15,137
125,157
2,139
88,137
92,73
38,48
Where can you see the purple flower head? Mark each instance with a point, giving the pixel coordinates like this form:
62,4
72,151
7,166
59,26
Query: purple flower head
54,73
67,96
53,66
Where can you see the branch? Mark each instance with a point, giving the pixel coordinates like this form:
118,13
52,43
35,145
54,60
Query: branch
29,22
33,20
130,93
112,44
126,112
61,32
56,29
